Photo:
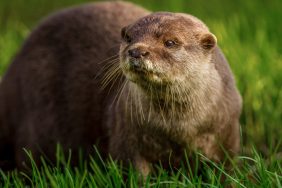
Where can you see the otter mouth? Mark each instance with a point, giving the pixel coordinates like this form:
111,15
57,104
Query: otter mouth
136,65
139,67
143,73
140,71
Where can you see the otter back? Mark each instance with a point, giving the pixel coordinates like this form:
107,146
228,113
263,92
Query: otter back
52,92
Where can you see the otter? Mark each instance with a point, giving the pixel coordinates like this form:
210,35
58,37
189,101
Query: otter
180,93
143,87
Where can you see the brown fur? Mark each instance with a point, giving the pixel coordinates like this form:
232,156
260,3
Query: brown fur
179,98
51,92
66,86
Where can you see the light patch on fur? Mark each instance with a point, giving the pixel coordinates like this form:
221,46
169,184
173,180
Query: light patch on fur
149,66
152,71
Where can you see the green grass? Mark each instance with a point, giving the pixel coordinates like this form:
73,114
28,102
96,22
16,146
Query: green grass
248,32
246,172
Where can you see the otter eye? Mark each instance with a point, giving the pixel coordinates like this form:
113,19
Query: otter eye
169,43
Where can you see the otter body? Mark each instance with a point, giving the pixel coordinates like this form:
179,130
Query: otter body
52,93
161,88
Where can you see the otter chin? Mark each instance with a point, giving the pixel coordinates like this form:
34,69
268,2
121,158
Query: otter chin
161,87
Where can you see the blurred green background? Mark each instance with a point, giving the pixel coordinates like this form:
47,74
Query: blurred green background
248,32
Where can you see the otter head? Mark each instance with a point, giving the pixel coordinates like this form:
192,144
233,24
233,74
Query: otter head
166,48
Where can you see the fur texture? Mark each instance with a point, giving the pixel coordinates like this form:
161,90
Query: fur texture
75,82
52,92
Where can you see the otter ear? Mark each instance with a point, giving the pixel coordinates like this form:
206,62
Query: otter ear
208,41
123,32
124,35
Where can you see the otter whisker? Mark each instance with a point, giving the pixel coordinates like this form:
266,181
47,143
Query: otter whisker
172,102
108,66
149,97
122,90
161,109
180,98
151,102
111,75
110,62
127,102
136,105
141,108
119,91
109,58
111,82
131,103
167,96
105,67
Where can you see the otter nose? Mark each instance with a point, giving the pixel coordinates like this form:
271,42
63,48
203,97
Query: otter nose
137,53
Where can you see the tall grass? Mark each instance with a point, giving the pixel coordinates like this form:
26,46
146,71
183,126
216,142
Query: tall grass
248,32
